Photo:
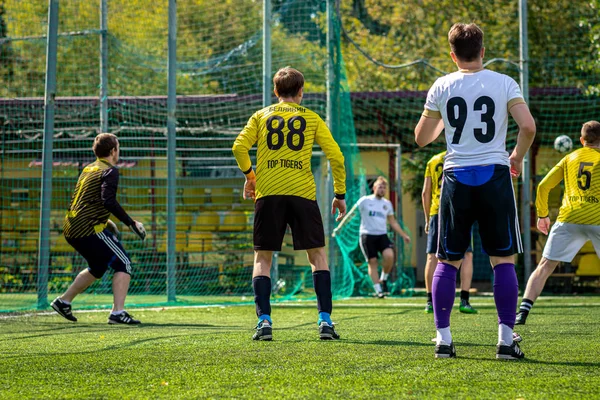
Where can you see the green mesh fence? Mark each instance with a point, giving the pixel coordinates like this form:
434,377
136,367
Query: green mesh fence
385,55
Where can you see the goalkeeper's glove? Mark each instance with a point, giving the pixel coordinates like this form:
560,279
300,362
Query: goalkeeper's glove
138,229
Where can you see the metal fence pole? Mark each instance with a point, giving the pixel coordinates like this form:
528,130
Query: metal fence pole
525,189
266,53
46,195
103,66
171,154
399,241
332,118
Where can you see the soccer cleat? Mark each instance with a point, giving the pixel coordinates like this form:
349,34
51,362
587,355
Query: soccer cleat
443,350
264,331
123,318
517,338
521,317
466,308
384,287
380,295
327,332
506,352
429,308
63,309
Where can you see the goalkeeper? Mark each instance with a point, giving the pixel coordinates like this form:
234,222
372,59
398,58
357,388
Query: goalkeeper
88,229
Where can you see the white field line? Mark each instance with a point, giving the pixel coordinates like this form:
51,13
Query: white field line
338,304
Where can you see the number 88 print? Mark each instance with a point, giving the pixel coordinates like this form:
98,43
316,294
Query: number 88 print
278,131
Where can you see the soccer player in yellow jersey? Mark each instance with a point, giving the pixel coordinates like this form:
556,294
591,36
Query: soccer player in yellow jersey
430,198
284,191
578,218
90,232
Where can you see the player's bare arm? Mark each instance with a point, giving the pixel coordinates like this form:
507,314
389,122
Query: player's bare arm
524,119
427,130
345,219
396,227
426,200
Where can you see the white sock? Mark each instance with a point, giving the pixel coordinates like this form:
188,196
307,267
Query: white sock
384,276
117,312
505,334
443,335
66,302
377,287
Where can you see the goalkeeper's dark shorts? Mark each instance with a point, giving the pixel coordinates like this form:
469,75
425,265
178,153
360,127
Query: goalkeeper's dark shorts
274,213
102,250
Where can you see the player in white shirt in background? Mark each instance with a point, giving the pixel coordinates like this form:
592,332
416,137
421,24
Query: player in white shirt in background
375,213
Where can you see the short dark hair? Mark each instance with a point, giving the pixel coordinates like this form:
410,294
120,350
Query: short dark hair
590,132
288,82
104,143
466,41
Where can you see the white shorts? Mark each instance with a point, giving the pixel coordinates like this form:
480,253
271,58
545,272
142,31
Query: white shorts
565,240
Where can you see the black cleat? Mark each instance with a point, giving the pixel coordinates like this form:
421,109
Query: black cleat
521,317
445,350
264,331
384,287
506,352
63,309
380,295
123,318
327,332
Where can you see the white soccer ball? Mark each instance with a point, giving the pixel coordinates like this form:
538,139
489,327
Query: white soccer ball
563,144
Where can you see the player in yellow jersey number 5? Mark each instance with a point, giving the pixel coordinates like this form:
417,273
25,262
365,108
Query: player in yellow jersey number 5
579,216
284,191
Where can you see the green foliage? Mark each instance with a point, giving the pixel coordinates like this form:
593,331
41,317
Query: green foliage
385,352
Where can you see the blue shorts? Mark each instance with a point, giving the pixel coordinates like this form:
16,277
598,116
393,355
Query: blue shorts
484,194
432,236
101,251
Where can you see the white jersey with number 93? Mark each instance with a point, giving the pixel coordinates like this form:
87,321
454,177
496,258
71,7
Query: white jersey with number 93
474,107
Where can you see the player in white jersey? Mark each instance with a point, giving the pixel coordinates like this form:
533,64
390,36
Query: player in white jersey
472,107
375,213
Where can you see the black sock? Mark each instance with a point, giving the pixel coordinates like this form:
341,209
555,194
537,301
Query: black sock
322,283
262,295
526,305
464,295
430,297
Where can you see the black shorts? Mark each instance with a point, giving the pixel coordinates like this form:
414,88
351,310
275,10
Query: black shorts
272,214
432,236
483,194
372,245
101,251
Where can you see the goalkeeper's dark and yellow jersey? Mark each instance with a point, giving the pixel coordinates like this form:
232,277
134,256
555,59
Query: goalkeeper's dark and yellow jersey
285,134
435,170
94,200
581,200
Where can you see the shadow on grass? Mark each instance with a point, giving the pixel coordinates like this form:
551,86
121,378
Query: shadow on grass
527,360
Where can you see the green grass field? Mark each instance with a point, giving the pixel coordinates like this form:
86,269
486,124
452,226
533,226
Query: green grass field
385,352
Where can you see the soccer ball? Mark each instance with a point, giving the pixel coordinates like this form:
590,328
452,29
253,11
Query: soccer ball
563,144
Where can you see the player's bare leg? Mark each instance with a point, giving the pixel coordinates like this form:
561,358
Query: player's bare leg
387,265
62,304
374,275
506,295
261,283
466,276
83,280
429,270
317,258
120,286
534,287
444,290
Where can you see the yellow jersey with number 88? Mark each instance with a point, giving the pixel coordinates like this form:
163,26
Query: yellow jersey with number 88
285,134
